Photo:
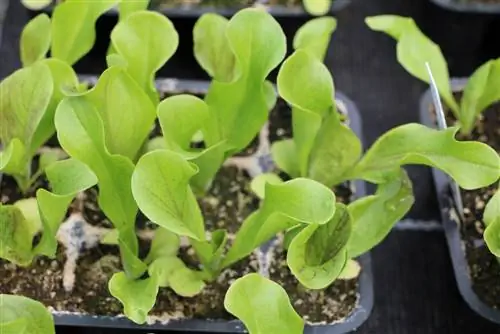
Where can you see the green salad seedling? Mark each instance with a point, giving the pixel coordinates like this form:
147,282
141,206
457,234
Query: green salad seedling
324,149
263,306
414,49
21,315
237,55
161,188
106,127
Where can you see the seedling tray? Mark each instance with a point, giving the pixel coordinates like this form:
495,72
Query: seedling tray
451,221
107,324
469,7
194,11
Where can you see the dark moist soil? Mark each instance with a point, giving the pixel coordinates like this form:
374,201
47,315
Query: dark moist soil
316,306
225,3
484,267
43,281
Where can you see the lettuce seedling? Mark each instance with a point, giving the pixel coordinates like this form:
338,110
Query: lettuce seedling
161,188
237,55
414,49
263,306
23,315
324,149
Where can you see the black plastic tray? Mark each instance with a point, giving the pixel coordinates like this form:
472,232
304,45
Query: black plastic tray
468,7
365,286
451,222
194,11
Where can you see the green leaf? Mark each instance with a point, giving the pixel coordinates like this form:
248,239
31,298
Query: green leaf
211,47
29,209
210,252
127,240
245,100
317,7
160,185
334,153
25,97
263,306
49,156
374,216
305,83
126,110
13,159
284,153
110,238
146,40
67,178
479,93
314,36
64,79
137,296
165,243
81,134
36,4
21,315
16,236
181,118
258,184
414,49
285,205
80,131
311,101
471,164
351,270
171,272
317,255
491,219
35,39
73,28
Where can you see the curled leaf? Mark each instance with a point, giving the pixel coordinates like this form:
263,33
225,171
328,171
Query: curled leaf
35,39
317,254
137,296
263,306
471,164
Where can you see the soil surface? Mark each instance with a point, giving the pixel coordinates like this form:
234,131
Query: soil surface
316,306
43,281
484,267
226,3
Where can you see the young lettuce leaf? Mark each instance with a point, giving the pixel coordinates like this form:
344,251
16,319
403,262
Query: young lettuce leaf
317,254
160,185
322,147
137,296
479,93
263,306
80,130
374,216
25,99
315,35
414,49
21,315
491,219
181,117
67,178
146,41
246,98
285,205
471,164
73,28
35,39
212,49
